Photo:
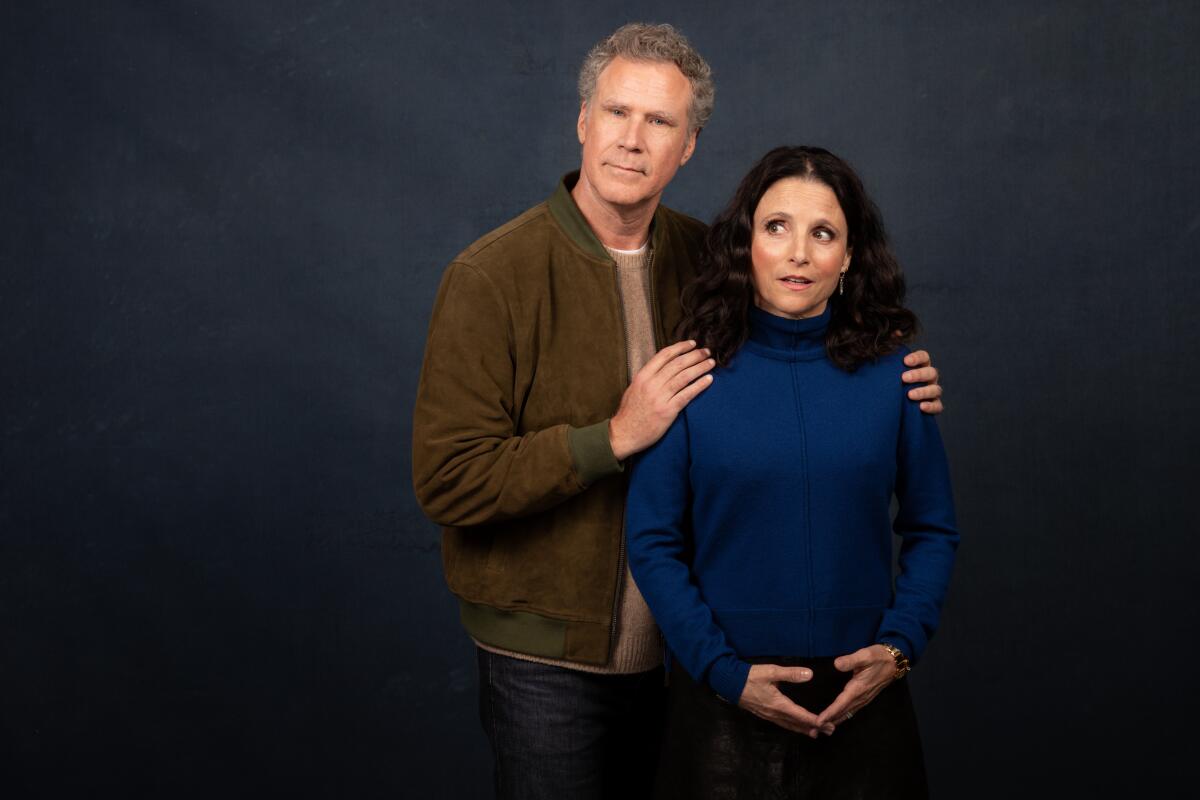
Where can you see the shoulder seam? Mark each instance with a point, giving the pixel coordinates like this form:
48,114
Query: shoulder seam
503,232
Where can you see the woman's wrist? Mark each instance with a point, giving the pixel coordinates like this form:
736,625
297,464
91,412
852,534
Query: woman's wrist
898,658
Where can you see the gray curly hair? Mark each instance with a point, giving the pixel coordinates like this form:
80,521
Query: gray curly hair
640,41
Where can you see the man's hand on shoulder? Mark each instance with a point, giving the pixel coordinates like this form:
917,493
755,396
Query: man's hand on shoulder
658,392
923,371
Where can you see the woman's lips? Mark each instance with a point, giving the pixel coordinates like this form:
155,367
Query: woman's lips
796,284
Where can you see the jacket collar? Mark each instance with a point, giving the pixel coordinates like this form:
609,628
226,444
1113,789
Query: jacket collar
570,219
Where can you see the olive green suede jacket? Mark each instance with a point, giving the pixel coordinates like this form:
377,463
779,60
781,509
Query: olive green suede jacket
524,364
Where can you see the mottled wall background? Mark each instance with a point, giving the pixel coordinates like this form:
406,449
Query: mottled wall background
223,226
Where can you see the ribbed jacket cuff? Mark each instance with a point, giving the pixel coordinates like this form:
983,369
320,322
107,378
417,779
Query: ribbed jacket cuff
592,453
728,679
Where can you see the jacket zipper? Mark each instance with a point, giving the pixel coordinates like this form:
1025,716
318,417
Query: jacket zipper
652,299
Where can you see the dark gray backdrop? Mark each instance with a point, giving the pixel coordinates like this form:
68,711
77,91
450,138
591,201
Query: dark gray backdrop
223,226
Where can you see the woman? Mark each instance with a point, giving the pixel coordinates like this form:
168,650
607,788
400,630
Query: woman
760,525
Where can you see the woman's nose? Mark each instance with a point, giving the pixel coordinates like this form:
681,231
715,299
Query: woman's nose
800,250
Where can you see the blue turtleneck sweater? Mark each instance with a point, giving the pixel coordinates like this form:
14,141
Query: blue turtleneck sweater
761,525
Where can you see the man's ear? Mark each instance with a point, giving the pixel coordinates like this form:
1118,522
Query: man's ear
690,146
581,123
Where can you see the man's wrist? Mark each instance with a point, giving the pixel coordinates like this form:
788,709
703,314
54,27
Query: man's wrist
591,451
620,450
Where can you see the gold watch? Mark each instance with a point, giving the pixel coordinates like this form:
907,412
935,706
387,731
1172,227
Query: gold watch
902,665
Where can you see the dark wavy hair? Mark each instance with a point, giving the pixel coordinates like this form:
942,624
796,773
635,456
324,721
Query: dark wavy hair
868,321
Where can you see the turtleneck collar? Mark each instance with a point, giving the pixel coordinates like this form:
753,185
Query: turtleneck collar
788,339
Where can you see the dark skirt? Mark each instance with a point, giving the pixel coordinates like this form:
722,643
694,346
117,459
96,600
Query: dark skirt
714,750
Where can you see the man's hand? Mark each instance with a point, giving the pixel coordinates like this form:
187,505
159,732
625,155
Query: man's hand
762,698
658,392
873,668
924,372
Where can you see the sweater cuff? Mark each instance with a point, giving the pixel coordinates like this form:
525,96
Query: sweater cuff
728,679
592,453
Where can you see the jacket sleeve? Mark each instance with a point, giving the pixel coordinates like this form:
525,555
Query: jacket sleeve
656,524
929,534
469,465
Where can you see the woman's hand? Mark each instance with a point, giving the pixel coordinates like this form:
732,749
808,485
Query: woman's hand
761,697
874,668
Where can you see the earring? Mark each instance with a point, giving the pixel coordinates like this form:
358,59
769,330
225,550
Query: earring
842,283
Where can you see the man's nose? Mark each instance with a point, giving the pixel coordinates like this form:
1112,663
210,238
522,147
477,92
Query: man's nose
631,138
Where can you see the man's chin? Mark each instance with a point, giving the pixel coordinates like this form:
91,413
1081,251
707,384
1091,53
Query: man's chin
618,194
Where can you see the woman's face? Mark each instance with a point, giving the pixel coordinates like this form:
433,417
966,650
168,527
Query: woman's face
798,249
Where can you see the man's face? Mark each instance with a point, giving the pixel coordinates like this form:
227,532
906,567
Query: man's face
635,132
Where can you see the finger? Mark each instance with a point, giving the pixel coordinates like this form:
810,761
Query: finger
791,725
662,357
932,407
682,362
930,391
917,358
851,661
836,710
804,720
922,375
684,377
689,392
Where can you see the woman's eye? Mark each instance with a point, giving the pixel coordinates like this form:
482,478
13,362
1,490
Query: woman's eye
823,235
774,226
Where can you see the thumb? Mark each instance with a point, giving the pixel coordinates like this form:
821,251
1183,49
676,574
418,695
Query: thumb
792,674
849,662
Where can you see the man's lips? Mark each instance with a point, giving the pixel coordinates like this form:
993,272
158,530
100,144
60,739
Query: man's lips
624,168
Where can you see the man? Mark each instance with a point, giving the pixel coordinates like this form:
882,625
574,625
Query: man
540,379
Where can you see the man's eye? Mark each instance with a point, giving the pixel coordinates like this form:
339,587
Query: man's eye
616,112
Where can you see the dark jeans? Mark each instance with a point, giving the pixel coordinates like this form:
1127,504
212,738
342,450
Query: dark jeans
559,733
